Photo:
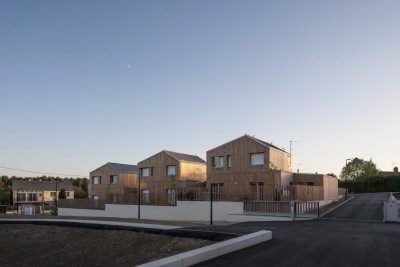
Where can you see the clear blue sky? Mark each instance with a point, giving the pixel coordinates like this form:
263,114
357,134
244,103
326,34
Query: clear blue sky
83,83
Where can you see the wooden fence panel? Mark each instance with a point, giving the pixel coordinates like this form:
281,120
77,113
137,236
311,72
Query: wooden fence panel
81,204
308,193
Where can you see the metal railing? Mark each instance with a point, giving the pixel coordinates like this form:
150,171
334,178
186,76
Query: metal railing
283,208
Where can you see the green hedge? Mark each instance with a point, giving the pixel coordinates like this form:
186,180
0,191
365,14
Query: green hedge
373,184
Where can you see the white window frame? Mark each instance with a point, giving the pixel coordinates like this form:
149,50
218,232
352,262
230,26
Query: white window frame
96,179
257,159
113,179
145,172
171,170
146,196
217,162
171,196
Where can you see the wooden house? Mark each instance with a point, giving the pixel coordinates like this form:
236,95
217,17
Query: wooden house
166,171
30,197
112,178
248,167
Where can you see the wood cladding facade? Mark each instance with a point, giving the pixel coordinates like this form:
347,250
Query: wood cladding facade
187,173
126,181
328,183
238,173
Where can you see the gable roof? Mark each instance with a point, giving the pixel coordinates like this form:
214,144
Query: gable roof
124,167
184,157
39,185
266,144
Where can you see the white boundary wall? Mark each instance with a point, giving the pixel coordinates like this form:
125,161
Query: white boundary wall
391,212
183,211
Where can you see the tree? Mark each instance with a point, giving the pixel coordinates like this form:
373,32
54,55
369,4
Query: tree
62,194
79,193
331,174
358,169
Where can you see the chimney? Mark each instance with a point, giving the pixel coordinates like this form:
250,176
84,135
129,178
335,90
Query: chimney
396,170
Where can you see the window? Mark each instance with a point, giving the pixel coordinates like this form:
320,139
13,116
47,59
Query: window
95,197
218,162
229,161
257,159
146,196
68,194
217,191
144,172
96,180
32,197
171,196
53,194
21,197
257,190
113,179
171,170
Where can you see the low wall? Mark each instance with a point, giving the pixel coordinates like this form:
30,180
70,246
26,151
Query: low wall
391,212
183,211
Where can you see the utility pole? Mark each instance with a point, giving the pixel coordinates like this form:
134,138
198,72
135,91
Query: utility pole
42,197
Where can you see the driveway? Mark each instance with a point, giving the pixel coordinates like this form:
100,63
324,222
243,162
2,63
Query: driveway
352,240
365,207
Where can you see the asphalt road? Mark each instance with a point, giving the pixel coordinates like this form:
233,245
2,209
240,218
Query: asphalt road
354,239
361,207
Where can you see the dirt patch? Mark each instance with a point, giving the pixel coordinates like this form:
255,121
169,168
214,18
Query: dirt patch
47,216
47,245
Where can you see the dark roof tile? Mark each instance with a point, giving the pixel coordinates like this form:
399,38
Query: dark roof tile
38,185
185,157
124,167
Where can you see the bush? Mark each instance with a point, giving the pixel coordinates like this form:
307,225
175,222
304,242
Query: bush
373,184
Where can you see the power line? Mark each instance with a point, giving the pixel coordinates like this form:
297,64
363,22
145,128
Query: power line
69,175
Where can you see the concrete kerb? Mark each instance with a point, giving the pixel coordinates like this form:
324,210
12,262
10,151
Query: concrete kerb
93,222
206,253
336,207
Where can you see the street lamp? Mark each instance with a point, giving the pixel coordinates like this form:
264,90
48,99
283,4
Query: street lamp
211,203
42,197
56,198
139,174
18,201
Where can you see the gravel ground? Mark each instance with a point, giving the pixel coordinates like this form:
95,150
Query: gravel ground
48,245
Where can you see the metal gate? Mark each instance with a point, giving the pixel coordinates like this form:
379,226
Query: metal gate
291,209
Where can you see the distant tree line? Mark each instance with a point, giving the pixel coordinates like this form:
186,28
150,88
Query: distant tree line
6,197
361,176
372,184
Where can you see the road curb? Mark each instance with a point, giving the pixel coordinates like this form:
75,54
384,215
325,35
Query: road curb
212,251
336,207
